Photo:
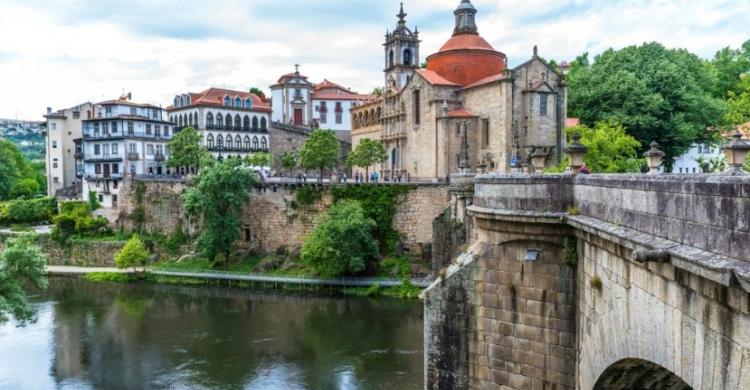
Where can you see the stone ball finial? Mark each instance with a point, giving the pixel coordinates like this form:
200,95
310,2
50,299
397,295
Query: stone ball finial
654,157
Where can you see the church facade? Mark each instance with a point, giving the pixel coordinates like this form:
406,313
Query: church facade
466,111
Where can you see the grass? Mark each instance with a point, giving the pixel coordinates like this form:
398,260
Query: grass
21,228
112,277
405,290
246,266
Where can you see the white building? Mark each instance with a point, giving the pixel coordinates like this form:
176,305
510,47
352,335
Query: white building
326,105
688,161
123,138
231,123
63,129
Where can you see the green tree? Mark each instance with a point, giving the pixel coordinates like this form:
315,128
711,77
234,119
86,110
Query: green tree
25,188
342,241
655,93
367,153
185,149
377,91
610,149
320,151
93,201
288,161
21,261
259,159
216,199
13,167
739,104
133,254
728,65
258,92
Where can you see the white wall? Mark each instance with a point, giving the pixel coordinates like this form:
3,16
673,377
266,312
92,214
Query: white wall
687,162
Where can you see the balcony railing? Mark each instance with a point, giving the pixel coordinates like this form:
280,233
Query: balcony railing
103,158
120,135
102,176
133,156
224,149
159,157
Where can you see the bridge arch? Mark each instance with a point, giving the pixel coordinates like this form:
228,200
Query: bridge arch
639,374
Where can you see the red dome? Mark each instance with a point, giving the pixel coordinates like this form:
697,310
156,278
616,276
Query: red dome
466,58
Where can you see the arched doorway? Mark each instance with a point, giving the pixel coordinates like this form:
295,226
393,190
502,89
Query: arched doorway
639,374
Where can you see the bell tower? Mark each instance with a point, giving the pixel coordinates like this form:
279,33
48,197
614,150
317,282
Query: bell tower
465,22
401,53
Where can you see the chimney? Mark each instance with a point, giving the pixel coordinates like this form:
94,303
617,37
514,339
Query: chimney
49,110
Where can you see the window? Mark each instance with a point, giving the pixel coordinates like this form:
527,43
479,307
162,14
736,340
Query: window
255,123
247,142
407,57
543,105
227,101
115,169
248,103
237,122
390,59
220,141
182,101
238,142
485,133
246,123
263,143
210,141
339,118
108,109
415,103
114,127
323,117
160,150
230,143
237,102
56,180
131,148
150,149
105,150
157,130
54,163
133,111
263,123
54,144
166,131
76,114
96,128
105,127
98,169
255,142
298,93
114,149
54,126
323,107
209,120
130,128
97,150
148,128
219,121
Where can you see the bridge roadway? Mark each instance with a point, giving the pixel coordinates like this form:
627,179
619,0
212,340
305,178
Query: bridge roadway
236,276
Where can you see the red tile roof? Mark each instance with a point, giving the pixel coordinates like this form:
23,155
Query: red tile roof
466,41
215,97
126,103
486,80
460,113
325,95
570,122
329,84
433,78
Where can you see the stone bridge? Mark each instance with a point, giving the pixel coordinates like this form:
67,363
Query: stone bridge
596,282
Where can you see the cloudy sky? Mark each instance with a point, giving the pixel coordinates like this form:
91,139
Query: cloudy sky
61,53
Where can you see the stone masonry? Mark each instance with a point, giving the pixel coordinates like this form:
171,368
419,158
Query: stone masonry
641,282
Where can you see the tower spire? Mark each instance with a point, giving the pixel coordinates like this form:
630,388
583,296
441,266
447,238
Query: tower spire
465,18
401,15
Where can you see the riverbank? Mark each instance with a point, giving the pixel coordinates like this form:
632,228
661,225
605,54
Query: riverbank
400,288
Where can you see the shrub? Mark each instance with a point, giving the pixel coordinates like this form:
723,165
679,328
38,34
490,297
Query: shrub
24,188
342,242
93,201
68,206
28,211
77,219
133,254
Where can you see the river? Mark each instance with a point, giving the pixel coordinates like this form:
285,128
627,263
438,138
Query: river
143,336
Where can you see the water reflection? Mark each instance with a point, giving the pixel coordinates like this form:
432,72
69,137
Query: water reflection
93,335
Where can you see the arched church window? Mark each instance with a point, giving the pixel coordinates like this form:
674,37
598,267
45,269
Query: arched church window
237,122
210,141
255,123
182,101
219,121
263,123
255,143
219,141
407,57
210,120
390,59
238,142
246,123
195,118
263,143
230,143
247,142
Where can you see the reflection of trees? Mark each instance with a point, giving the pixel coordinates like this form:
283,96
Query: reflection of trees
138,336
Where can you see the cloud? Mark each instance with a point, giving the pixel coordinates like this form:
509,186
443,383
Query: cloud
62,52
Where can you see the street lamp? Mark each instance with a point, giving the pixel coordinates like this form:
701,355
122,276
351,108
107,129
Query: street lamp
538,158
654,157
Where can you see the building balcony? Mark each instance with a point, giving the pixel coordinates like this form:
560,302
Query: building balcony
130,135
103,176
103,136
133,156
78,155
103,158
159,157
224,149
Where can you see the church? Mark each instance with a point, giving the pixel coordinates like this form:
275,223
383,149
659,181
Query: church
466,111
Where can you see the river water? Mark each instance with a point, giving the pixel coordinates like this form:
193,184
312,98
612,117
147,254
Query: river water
140,336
